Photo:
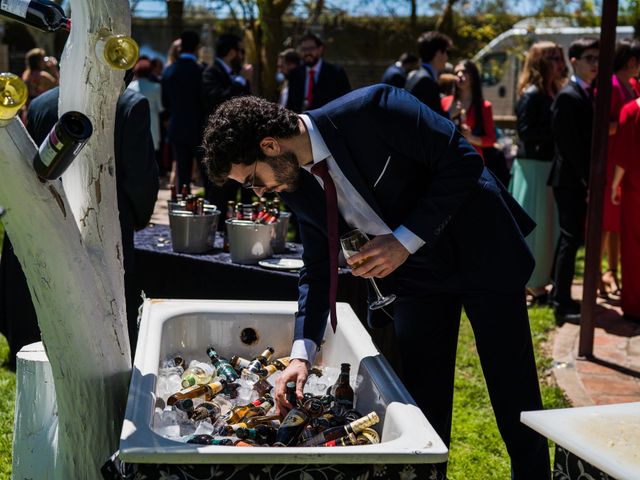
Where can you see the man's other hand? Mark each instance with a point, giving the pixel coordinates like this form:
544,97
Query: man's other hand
379,257
297,371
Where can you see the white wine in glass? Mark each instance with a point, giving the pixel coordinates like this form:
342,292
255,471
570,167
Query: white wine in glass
351,243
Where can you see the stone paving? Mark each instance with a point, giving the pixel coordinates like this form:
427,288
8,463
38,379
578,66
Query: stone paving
612,375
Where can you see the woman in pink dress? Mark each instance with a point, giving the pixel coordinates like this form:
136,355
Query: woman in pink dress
626,65
625,192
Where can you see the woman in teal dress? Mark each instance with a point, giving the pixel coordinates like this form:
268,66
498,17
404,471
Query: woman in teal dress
542,77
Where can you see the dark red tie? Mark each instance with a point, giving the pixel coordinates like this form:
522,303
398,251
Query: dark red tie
310,87
321,170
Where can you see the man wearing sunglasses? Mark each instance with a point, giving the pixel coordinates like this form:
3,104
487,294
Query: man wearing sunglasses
572,117
447,235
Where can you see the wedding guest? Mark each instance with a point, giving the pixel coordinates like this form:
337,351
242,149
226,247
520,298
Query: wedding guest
540,81
626,66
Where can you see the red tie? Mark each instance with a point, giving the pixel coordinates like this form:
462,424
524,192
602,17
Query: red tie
321,170
310,85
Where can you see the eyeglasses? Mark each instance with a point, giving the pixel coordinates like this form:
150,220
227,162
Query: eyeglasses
591,59
252,185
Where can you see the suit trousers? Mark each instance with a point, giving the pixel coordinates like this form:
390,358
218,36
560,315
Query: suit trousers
572,213
427,334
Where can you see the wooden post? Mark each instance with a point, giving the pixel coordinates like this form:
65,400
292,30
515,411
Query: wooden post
597,177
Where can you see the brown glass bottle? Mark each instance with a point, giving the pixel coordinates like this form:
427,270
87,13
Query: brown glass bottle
338,432
239,363
208,391
342,390
292,426
62,145
342,442
261,361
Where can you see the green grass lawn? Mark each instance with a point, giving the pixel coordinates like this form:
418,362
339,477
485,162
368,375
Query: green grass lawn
477,451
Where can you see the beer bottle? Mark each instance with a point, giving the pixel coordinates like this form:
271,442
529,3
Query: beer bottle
239,212
281,363
191,203
352,415
244,443
186,191
13,95
342,391
261,434
174,193
314,407
208,391
185,405
255,211
200,206
231,213
239,363
63,144
368,437
206,410
290,394
118,51
223,367
277,204
45,15
198,373
205,439
262,387
341,431
262,360
342,442
293,423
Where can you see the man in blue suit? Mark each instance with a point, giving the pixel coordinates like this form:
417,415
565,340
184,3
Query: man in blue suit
182,98
446,236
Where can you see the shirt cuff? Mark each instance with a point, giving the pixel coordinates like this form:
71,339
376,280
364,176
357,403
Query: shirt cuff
304,349
408,239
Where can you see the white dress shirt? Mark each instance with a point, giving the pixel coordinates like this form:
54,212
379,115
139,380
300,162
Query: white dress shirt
356,212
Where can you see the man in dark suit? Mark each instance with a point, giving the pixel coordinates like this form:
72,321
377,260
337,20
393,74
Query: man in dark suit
396,74
433,48
182,98
227,77
137,190
317,82
446,236
572,118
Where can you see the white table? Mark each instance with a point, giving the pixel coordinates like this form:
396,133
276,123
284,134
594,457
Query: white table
606,436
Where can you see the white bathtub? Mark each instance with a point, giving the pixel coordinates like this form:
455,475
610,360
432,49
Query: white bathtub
189,326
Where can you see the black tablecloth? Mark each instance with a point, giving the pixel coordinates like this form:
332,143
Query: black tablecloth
163,273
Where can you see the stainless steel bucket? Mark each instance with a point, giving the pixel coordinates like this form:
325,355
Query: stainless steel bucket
193,233
249,242
279,242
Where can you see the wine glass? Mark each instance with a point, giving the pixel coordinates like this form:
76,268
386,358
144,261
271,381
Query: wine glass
351,243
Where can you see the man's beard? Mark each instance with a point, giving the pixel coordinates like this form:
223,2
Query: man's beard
310,61
286,170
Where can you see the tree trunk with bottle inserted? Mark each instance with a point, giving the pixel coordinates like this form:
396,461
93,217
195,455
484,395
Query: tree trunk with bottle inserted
67,237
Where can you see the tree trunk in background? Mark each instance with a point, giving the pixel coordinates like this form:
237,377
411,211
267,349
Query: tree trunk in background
271,37
67,238
414,16
445,21
175,9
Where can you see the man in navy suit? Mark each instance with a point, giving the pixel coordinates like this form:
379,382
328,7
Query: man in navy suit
446,236
572,119
396,74
422,83
182,98
316,82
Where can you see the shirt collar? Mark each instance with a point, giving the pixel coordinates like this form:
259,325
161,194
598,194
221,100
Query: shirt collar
431,70
319,149
224,65
189,55
316,67
584,85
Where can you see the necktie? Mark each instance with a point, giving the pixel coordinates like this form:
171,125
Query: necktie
321,170
310,86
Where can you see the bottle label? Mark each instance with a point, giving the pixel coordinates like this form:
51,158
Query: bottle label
15,7
50,148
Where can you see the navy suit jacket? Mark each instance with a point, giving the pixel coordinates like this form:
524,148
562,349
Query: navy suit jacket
332,83
425,88
414,169
182,98
571,122
218,87
394,76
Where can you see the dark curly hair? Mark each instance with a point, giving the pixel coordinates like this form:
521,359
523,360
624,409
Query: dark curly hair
234,132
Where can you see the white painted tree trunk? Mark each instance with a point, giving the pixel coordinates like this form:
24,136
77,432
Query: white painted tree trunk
69,244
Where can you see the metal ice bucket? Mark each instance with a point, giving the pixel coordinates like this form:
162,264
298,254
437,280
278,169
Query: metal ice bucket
282,225
182,205
249,242
193,233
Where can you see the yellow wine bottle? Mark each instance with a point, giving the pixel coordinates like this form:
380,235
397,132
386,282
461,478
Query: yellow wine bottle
117,51
13,95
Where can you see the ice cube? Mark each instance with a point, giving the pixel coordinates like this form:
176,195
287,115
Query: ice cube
249,377
273,378
167,424
204,428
